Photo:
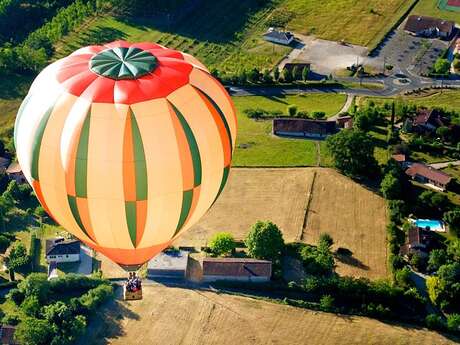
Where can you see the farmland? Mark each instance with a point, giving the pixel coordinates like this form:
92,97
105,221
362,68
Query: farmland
170,315
256,146
345,19
352,215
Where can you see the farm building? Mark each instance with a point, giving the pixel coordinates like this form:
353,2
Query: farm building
168,264
426,120
249,270
429,176
305,128
61,250
7,335
277,36
345,122
401,159
429,26
14,172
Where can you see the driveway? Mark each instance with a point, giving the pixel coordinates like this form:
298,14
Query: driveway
444,164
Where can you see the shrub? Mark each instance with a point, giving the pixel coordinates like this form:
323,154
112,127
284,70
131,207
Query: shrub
95,297
4,243
222,243
292,110
453,322
31,306
10,319
318,114
327,303
435,322
16,296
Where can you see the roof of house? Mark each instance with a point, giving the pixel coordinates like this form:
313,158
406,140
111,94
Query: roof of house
304,125
4,163
14,168
280,35
169,260
7,334
236,267
290,65
60,246
414,236
429,173
400,157
420,23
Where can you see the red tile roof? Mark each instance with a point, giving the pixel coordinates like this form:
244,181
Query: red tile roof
399,157
429,173
236,267
14,168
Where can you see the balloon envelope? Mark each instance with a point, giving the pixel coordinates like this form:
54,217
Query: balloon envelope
126,145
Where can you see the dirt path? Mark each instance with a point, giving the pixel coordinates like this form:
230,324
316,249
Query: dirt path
345,107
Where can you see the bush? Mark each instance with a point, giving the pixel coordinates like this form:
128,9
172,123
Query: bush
95,297
402,277
10,319
16,296
434,322
292,110
4,243
327,303
31,306
222,243
453,322
319,114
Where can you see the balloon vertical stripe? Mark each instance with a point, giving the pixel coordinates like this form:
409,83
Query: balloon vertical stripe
36,144
81,162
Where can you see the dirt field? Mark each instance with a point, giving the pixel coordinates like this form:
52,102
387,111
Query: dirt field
169,315
356,220
279,195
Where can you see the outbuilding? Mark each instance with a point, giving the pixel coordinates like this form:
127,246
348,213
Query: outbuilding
171,264
306,128
236,269
429,26
278,36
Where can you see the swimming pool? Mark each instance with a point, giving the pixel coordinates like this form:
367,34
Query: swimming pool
434,225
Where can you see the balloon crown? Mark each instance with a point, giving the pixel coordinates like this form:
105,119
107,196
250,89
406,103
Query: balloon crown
122,63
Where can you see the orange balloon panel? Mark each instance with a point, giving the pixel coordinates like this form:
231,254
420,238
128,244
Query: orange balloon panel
126,145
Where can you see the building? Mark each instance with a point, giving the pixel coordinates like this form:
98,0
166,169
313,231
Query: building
61,250
305,128
277,36
401,159
418,242
345,122
235,269
429,176
4,164
429,27
426,121
14,172
7,335
169,264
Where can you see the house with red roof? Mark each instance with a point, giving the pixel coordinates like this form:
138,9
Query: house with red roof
429,176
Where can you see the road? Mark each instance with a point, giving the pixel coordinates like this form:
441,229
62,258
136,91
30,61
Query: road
444,164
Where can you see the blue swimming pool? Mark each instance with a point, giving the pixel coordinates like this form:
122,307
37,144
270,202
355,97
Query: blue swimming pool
434,225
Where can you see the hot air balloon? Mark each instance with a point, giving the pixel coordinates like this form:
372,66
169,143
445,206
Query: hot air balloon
126,145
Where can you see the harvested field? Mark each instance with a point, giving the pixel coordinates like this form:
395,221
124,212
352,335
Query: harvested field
170,315
355,218
279,195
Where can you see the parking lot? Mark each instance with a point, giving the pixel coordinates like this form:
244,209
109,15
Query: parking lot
406,52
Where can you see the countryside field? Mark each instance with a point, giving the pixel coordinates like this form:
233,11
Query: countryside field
352,215
170,315
362,22
256,146
355,218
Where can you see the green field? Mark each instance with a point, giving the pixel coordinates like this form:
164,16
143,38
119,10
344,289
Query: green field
430,8
222,34
256,146
362,22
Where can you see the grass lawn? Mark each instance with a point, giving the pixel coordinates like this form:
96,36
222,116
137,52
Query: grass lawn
256,146
222,34
430,8
362,22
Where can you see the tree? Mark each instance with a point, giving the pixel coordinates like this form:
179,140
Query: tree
453,219
292,110
296,73
443,132
437,258
267,77
265,241
305,73
442,66
31,306
254,75
391,187
325,241
32,331
418,262
326,303
287,75
402,278
17,259
353,153
276,74
222,243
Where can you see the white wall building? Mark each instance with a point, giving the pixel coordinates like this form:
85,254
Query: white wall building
60,250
